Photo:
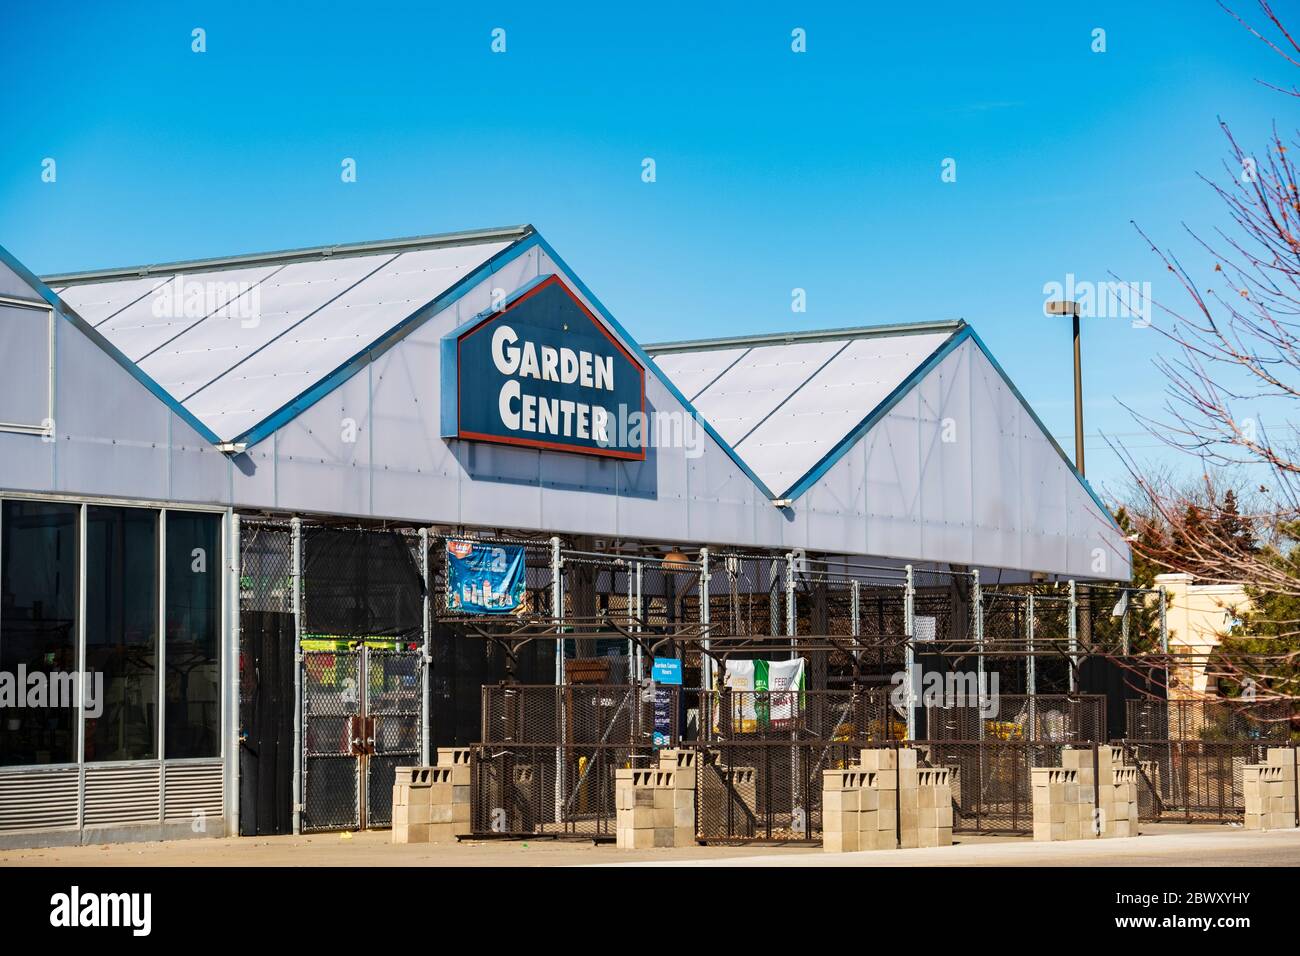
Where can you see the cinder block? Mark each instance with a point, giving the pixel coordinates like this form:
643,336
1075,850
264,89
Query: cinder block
838,801
412,814
684,836
878,758
412,776
840,841
906,758
417,833
455,757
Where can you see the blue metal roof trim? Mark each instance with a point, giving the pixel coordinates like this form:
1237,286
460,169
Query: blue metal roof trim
70,315
893,398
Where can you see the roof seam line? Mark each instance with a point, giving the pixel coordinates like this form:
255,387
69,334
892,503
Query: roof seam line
795,391
261,348
718,377
200,321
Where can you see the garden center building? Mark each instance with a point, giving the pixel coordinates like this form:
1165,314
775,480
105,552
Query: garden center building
156,420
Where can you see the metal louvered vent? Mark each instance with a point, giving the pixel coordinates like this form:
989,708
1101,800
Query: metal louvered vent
120,795
191,789
38,799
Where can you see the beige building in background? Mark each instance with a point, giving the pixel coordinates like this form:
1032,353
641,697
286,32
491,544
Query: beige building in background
1197,616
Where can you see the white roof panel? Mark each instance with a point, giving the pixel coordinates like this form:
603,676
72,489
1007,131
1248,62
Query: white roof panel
825,409
100,300
174,304
693,372
753,387
293,322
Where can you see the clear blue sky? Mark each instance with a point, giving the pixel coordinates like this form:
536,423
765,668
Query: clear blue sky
775,170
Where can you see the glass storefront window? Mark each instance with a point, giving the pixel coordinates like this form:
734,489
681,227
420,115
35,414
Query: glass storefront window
193,634
38,631
122,633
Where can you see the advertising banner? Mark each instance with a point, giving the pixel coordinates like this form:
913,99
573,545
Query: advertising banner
484,578
767,695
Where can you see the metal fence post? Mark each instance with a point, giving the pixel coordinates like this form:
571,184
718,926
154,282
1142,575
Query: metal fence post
1031,666
1072,631
855,627
790,615
909,667
639,611
977,624
295,526
426,659
230,664
704,616
557,614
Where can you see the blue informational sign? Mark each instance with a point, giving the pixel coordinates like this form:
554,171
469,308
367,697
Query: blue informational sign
667,670
484,578
542,371
667,674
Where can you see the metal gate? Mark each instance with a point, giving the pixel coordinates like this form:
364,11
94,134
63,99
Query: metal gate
361,710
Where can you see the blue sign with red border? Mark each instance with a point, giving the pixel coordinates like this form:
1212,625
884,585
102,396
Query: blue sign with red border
542,371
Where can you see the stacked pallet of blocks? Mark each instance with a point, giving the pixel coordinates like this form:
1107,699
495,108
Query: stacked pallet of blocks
451,806
432,804
887,801
1063,803
679,792
934,816
412,810
634,810
1270,791
846,825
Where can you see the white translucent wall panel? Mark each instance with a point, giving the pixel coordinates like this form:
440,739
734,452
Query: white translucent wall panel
803,430
96,302
693,372
752,388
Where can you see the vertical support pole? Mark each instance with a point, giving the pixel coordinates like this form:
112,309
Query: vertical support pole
1072,626
230,666
855,626
977,626
631,619
909,657
426,659
790,615
79,733
705,616
1031,667
639,612
296,575
557,614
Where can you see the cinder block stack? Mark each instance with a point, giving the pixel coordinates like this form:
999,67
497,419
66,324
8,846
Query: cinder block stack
451,797
681,763
934,815
1120,816
412,808
432,804
841,810
1270,791
1063,808
634,808
881,765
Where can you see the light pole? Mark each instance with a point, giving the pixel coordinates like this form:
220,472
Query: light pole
1071,308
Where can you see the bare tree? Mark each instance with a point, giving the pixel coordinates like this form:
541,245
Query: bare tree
1236,349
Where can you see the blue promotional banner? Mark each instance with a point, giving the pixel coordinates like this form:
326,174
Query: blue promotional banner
666,674
542,371
484,578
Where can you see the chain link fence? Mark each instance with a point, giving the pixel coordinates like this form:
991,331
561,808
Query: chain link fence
1045,717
